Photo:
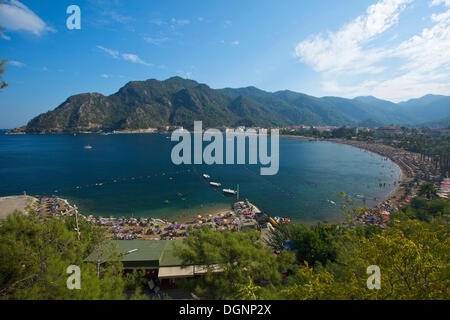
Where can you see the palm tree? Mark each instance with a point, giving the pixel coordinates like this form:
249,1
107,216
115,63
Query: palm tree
428,190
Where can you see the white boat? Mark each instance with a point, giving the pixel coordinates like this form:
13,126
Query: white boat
215,184
88,146
229,191
206,176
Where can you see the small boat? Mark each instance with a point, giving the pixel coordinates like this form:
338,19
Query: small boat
230,191
215,184
88,146
206,176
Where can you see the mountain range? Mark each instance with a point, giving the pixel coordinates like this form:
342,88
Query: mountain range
178,102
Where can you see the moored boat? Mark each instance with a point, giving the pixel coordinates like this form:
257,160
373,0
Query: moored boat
230,191
215,184
206,176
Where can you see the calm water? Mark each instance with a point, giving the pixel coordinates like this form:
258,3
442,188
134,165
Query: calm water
126,174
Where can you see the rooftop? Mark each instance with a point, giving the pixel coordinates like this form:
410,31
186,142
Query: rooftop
136,254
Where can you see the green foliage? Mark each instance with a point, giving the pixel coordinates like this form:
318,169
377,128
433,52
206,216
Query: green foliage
436,211
311,244
238,256
412,262
331,263
135,280
35,254
3,83
428,190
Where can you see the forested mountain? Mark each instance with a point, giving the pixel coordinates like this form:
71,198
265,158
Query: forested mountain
176,101
428,108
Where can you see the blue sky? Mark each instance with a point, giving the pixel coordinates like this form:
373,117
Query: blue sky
392,49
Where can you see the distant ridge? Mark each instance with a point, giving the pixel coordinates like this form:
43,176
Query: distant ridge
178,102
436,124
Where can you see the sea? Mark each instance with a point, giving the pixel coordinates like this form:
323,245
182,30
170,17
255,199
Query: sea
133,174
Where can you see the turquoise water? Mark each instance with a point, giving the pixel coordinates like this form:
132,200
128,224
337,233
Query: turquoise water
133,173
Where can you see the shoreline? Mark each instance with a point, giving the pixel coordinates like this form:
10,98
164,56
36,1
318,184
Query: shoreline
239,215
397,192
397,196
300,137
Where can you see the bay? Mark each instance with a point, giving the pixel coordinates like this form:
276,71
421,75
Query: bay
126,174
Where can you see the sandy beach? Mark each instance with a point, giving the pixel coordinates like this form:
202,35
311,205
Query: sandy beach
14,203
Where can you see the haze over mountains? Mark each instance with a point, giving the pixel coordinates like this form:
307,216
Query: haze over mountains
178,102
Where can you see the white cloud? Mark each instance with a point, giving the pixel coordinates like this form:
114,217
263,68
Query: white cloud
156,41
15,16
115,16
135,59
158,21
228,23
233,43
125,56
112,53
4,36
105,76
17,64
438,2
342,51
185,74
180,22
422,62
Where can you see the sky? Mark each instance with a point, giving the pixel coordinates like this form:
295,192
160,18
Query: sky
391,49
